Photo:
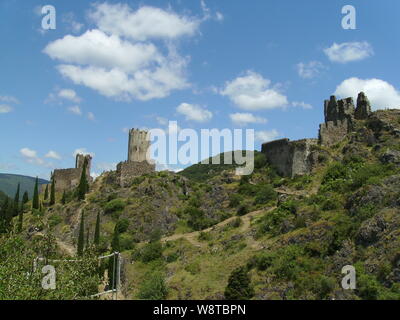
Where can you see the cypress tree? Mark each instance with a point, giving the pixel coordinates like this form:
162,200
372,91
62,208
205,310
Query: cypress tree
113,261
64,198
35,200
3,216
87,237
81,237
83,186
46,192
53,192
20,220
97,231
25,199
16,202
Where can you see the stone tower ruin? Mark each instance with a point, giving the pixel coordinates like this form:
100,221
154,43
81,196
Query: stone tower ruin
138,145
138,161
291,158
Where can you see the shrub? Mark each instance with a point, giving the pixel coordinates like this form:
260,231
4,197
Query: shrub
242,210
114,206
122,225
234,200
153,287
126,242
149,252
259,160
54,220
239,285
197,219
265,194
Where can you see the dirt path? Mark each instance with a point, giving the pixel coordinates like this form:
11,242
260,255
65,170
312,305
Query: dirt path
192,237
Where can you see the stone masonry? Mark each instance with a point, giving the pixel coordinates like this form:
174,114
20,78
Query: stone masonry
137,164
291,158
68,179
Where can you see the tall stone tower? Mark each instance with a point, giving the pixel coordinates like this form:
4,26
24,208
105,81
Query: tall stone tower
139,144
80,160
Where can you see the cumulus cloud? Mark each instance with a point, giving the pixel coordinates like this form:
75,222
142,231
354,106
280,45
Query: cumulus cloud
120,58
143,24
75,110
349,51
301,104
9,99
53,155
194,112
243,119
32,157
309,70
380,93
82,151
266,135
69,94
5,108
253,92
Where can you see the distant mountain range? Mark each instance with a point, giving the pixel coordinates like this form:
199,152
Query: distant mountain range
9,184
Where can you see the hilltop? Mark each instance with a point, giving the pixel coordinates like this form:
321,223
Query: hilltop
9,183
188,235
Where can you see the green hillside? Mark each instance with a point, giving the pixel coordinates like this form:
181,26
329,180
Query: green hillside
9,183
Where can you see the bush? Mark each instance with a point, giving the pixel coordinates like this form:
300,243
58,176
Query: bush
114,206
242,210
265,194
260,160
153,287
197,219
239,285
122,225
54,220
234,200
149,252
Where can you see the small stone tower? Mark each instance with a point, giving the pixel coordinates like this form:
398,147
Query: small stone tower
138,145
80,160
363,109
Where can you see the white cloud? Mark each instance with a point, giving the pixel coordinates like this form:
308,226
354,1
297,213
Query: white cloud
69,94
143,24
380,93
219,16
162,121
91,116
349,51
53,155
266,135
32,157
121,59
72,25
4,108
301,105
75,110
194,112
243,119
309,70
9,99
253,92
106,166
82,151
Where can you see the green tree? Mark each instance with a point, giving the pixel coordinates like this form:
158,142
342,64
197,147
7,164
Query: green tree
83,186
96,239
64,198
81,237
25,199
16,202
35,200
153,287
113,261
239,285
52,191
46,192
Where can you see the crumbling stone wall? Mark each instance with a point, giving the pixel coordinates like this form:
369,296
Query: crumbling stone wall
68,179
290,158
127,171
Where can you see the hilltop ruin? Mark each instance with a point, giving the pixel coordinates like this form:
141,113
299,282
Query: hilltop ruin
291,158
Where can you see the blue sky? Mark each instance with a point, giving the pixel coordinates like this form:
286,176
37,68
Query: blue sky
108,66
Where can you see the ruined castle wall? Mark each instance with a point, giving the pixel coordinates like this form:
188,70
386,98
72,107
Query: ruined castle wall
331,133
127,171
302,160
278,155
66,179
